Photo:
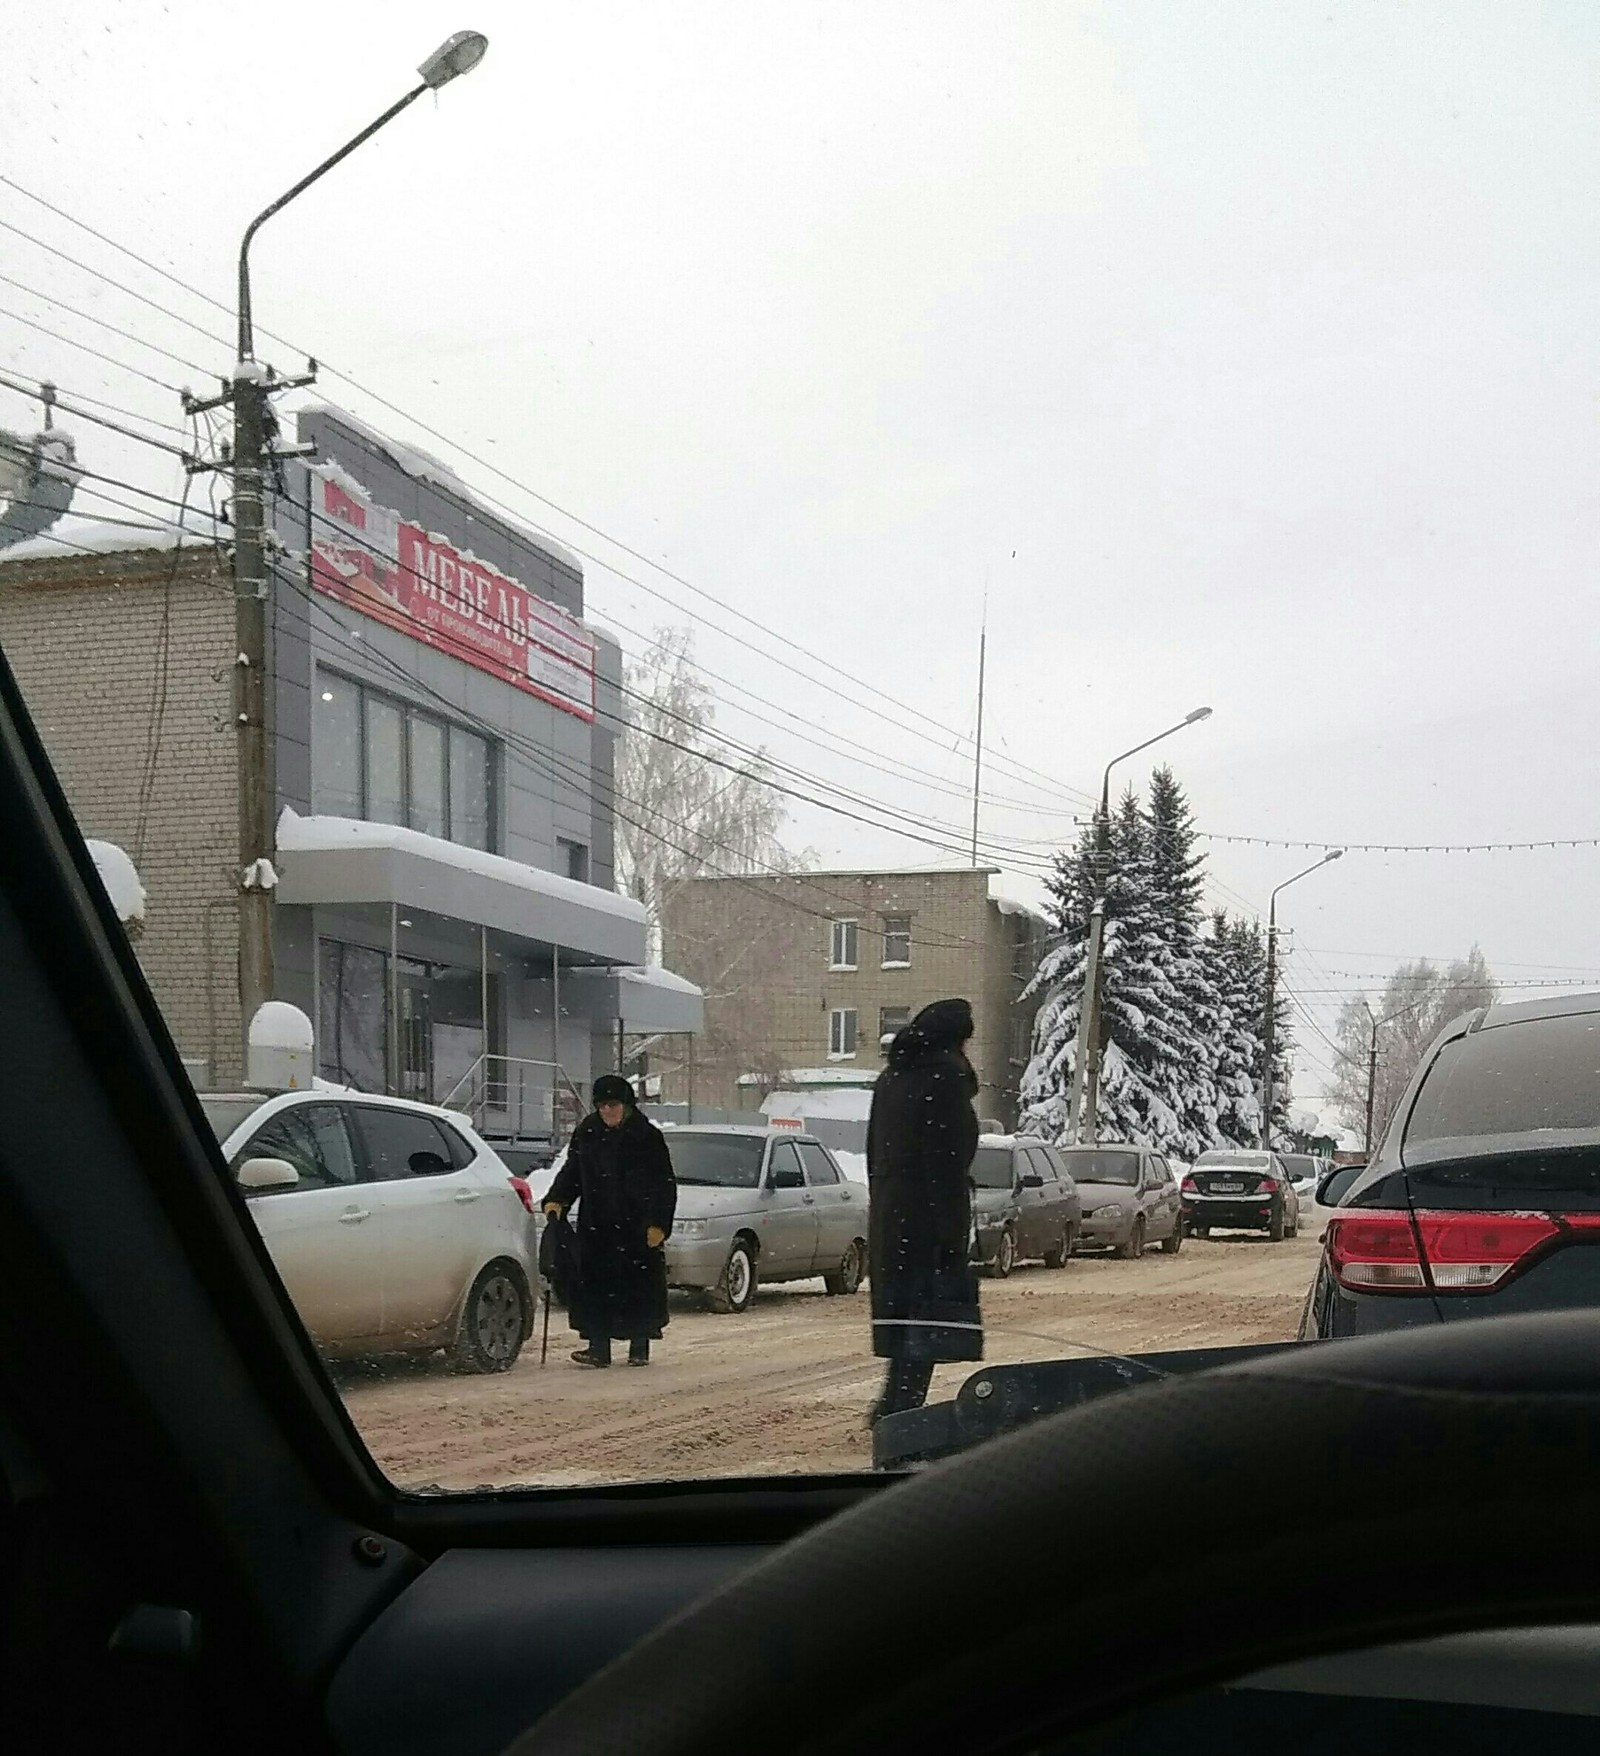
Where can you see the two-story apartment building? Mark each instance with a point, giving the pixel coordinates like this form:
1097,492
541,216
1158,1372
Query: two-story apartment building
442,732
804,975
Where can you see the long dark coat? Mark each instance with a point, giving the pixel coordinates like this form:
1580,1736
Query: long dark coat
921,1139
621,1179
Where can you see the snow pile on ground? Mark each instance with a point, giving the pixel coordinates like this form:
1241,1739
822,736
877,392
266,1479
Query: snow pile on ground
121,879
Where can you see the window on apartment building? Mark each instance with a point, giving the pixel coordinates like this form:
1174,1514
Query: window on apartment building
381,759
892,1019
572,858
896,941
842,1033
846,945
1021,1038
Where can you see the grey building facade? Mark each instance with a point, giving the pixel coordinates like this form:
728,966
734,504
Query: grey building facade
443,731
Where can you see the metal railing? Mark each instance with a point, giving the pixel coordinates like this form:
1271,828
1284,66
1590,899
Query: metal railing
499,1084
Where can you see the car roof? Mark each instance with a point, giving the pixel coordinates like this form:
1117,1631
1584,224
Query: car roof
1520,1011
741,1131
284,1100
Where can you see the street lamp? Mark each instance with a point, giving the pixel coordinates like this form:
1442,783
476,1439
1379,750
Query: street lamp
1377,1024
456,55
1087,1090
1268,1031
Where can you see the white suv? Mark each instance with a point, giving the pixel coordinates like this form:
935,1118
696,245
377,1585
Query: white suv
395,1228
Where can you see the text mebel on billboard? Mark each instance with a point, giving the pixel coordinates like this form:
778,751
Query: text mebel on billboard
369,557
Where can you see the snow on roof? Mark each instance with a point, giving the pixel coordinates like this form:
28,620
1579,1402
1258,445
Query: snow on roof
818,1076
1009,905
652,975
297,834
837,1103
108,536
428,468
120,877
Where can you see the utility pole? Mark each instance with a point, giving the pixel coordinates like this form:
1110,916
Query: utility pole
1269,1014
1087,1084
1269,1032
977,761
253,428
1372,1083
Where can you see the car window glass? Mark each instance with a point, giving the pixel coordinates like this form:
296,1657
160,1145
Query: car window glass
719,1161
993,1168
458,1150
784,1161
1038,1162
819,1169
401,1143
311,1137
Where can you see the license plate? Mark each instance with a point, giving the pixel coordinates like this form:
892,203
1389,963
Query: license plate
1227,1188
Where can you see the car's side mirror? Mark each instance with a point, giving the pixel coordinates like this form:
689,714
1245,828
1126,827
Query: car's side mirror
1030,1180
790,1179
1334,1187
257,1175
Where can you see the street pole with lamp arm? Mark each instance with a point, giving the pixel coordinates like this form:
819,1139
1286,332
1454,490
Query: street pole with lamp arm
1269,1019
251,386
1086,1062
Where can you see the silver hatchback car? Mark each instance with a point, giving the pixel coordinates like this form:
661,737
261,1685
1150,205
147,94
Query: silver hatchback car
1130,1199
396,1229
767,1204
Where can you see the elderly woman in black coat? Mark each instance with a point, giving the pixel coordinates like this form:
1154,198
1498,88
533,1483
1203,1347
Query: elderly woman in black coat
921,1139
620,1175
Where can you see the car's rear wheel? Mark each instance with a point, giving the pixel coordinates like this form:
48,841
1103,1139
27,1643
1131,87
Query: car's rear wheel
494,1321
1005,1255
1060,1255
737,1287
1275,1227
1172,1244
1132,1247
847,1277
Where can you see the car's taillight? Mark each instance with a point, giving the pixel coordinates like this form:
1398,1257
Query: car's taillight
1190,1186
1375,1251
524,1193
1266,1187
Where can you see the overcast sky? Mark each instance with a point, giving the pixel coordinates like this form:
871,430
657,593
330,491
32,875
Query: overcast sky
1248,352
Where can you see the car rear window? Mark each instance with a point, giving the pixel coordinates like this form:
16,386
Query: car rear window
727,1161
1535,1079
991,1169
1105,1167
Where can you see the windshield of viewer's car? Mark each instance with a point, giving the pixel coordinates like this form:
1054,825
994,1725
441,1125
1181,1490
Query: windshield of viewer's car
726,1161
992,1168
881,548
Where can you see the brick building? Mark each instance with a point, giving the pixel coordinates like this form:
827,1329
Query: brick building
442,724
804,974
84,633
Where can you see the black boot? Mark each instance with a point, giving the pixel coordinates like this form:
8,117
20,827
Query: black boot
639,1351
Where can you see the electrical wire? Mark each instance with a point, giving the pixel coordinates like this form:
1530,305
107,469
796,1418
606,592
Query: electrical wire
945,732
60,304
84,347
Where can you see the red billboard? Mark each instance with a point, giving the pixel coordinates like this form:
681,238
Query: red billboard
369,557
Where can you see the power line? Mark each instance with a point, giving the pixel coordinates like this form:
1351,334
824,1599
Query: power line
1378,847
89,317
946,732
35,392
84,347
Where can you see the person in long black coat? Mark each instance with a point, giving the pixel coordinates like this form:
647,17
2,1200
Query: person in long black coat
619,1174
921,1139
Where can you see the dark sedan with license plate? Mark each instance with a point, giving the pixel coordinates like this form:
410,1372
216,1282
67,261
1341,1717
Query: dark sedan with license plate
1240,1191
1484,1197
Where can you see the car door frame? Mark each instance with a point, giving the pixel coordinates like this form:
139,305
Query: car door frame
333,1218
399,1202
789,1227
1168,1201
836,1214
1037,1206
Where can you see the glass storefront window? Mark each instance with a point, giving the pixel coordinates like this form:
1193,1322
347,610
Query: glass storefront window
336,748
386,798
469,789
427,810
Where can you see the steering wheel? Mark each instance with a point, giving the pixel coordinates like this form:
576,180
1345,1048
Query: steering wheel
1358,1492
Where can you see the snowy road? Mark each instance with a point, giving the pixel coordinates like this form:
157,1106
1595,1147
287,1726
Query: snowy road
784,1388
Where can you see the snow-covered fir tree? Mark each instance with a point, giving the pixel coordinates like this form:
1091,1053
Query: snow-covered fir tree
1181,1045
